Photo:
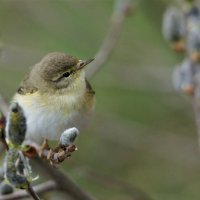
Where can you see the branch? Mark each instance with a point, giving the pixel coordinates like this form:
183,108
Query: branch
108,181
32,192
39,189
64,183
122,9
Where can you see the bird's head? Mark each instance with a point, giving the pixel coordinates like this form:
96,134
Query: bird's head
58,71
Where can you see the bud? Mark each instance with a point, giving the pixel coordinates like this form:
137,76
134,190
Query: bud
5,188
12,175
16,125
173,25
183,76
68,136
188,6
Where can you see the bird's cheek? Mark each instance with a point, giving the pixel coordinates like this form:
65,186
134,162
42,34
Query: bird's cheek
62,84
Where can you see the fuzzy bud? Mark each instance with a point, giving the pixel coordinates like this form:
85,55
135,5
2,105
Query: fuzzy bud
12,175
68,136
183,75
16,125
5,188
173,27
193,42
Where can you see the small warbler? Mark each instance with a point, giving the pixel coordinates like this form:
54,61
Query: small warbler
54,96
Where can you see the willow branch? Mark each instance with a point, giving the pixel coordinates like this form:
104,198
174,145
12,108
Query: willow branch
64,182
32,193
122,9
132,191
39,189
53,156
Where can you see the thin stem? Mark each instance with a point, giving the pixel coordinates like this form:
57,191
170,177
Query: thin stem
32,193
122,9
39,189
64,182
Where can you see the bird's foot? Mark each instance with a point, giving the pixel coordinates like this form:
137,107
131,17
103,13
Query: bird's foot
60,153
56,155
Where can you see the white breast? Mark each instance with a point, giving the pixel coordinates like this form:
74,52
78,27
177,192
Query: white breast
49,118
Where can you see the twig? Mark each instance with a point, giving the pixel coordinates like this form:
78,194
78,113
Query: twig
122,8
134,192
64,183
58,155
39,189
32,193
54,156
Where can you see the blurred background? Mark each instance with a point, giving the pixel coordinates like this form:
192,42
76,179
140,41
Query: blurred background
143,134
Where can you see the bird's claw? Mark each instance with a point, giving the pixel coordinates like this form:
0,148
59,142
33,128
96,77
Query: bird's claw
56,155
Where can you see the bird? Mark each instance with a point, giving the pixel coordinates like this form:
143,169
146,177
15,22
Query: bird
54,96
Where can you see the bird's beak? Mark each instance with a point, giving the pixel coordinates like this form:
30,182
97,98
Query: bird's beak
82,63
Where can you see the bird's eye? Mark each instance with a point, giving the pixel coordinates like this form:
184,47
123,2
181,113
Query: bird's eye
66,74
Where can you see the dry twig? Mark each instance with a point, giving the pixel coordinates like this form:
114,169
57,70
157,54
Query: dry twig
39,189
122,9
63,182
105,180
53,156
